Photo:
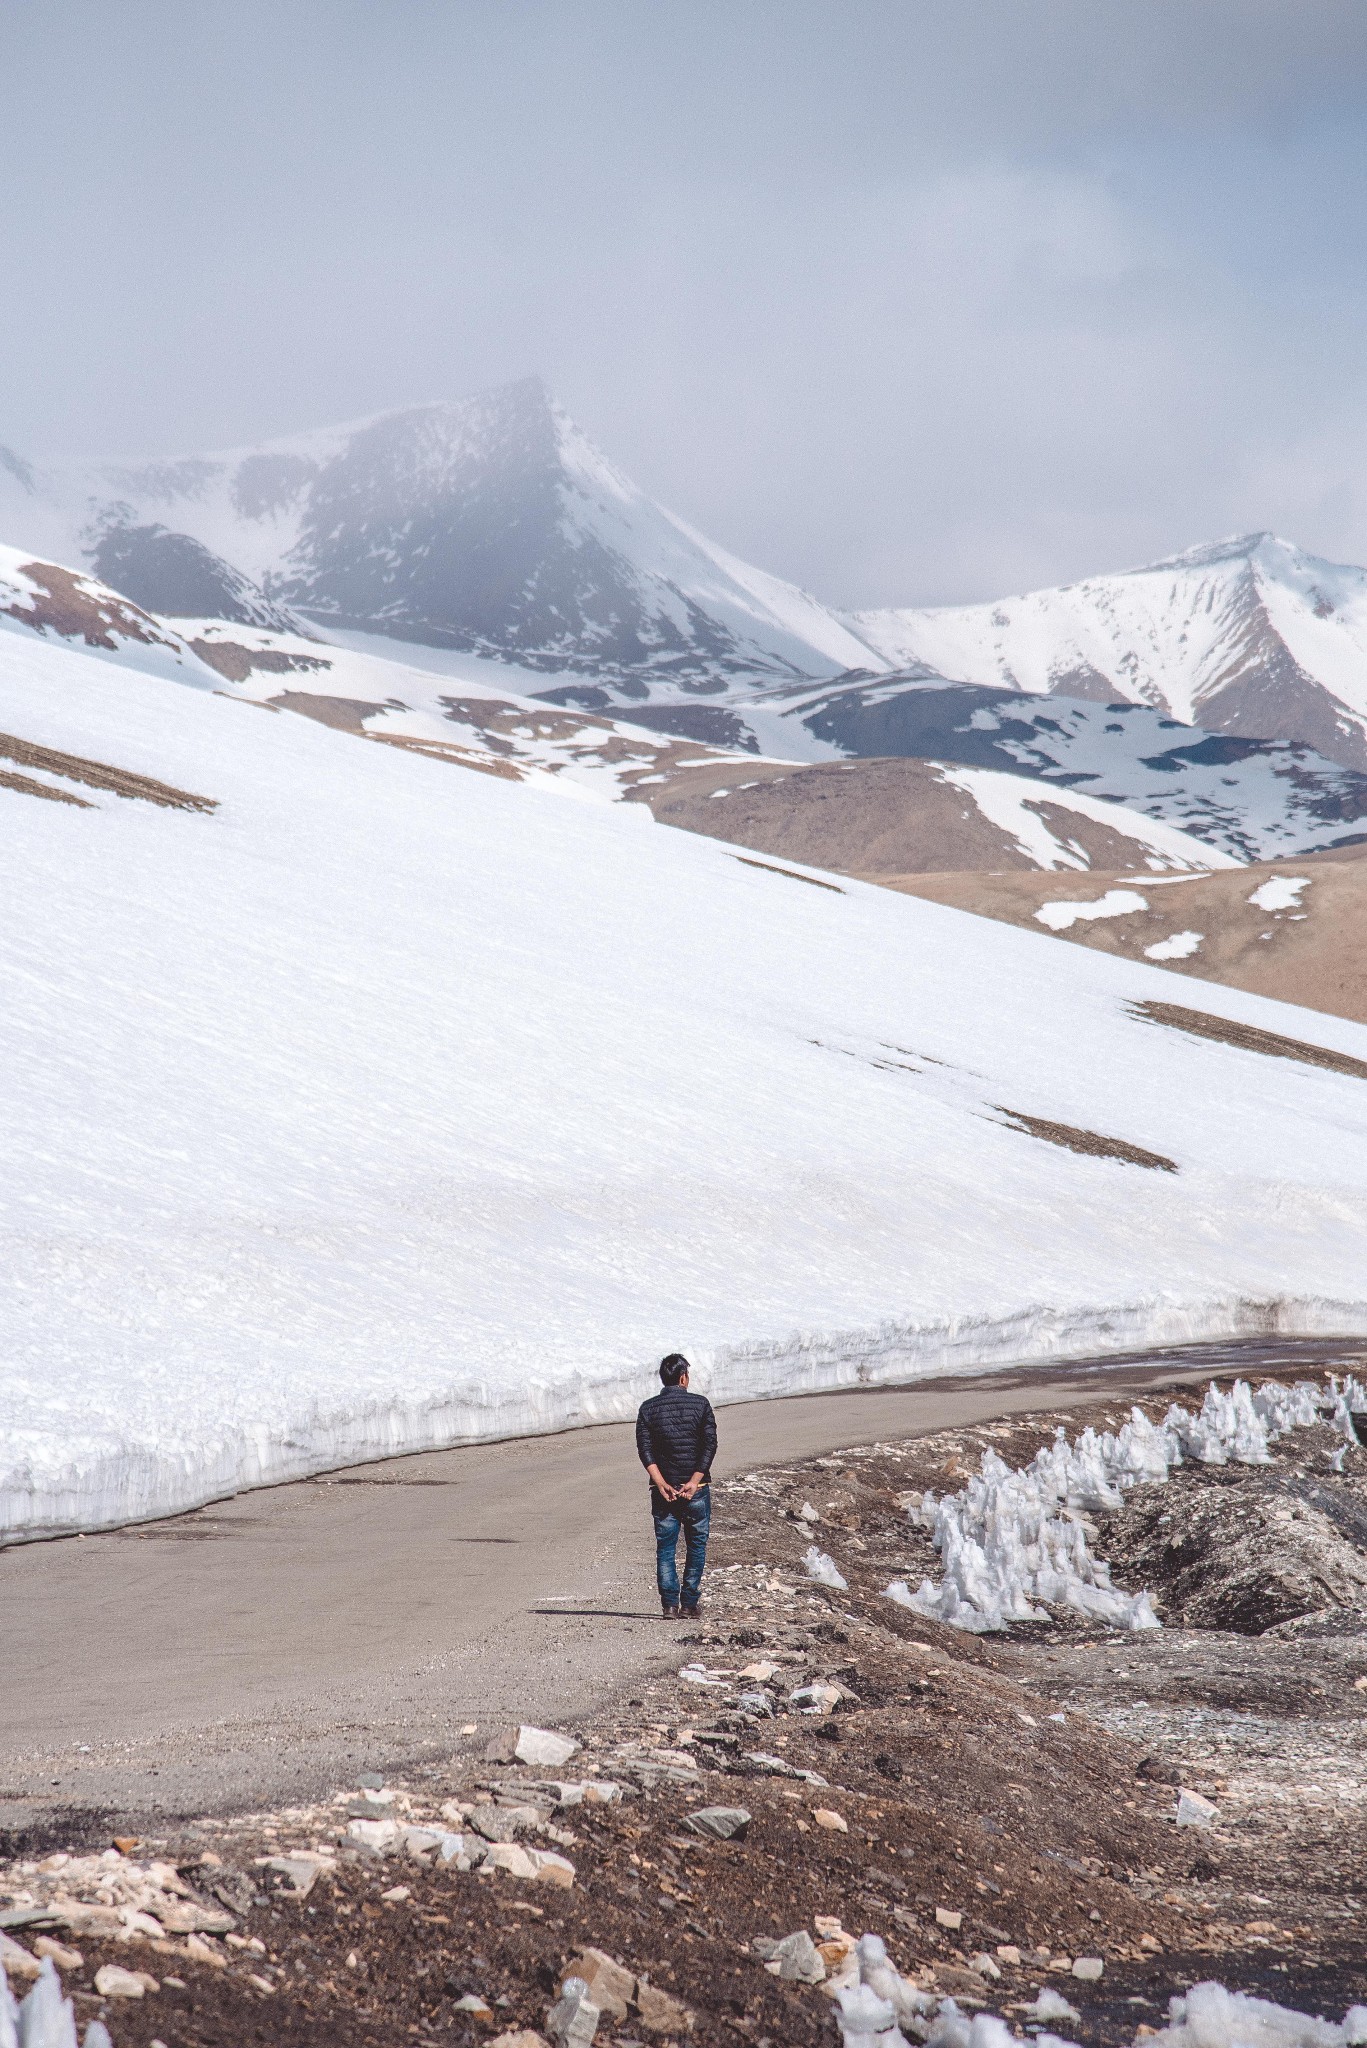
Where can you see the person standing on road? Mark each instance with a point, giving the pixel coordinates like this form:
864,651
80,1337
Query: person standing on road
676,1441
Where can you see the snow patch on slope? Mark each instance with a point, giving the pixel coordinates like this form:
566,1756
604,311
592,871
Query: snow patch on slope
363,1115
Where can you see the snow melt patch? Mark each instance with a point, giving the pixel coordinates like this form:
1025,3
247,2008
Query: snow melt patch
1281,892
1010,1540
1115,903
1179,946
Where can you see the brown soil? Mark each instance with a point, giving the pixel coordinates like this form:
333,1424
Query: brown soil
99,775
26,786
872,818
1025,1784
1200,1024
235,662
1090,1142
1314,953
78,608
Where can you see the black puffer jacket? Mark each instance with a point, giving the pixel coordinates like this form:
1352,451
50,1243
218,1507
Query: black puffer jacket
678,1432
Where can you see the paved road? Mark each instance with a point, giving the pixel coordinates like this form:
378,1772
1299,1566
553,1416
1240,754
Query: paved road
271,1646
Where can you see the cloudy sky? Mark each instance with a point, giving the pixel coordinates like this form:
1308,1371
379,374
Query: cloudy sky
909,302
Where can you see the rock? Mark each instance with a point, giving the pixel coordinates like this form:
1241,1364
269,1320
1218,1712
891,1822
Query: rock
473,2003
944,1917
1009,1953
961,1982
396,1894
507,1856
825,1818
16,1960
379,1836
64,1958
659,2012
520,2037
298,1874
760,1672
501,1823
548,1868
887,1767
203,1952
815,1699
722,1823
573,2019
543,1746
610,1986
796,1959
1088,1969
1193,1811
986,1966
113,1981
186,1916
757,1703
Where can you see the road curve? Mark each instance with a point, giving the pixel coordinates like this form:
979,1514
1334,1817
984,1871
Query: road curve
265,1648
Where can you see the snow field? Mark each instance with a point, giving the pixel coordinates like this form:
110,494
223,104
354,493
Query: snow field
1009,1539
393,1106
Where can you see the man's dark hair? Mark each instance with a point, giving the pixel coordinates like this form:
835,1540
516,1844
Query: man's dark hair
673,1368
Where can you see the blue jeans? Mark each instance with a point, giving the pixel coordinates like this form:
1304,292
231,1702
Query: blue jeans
692,1518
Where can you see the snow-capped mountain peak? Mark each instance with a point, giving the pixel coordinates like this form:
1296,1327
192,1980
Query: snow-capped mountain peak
1247,635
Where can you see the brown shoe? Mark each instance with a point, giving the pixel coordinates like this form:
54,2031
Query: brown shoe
669,1613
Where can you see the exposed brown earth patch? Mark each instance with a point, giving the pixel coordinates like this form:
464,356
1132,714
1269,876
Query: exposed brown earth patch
26,786
878,819
235,663
1090,1142
1312,952
99,775
1201,1024
78,608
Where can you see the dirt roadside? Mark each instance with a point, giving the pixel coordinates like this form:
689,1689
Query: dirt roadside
1007,1807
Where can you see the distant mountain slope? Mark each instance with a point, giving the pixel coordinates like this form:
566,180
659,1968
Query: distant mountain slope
1246,636
488,526
1253,799
860,817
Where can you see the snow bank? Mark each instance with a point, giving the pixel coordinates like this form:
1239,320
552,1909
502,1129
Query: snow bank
390,1107
1011,1539
874,2003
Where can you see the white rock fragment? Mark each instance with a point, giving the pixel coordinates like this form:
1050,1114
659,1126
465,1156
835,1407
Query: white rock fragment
815,1699
113,1981
543,1746
794,1959
1088,1969
1194,1811
16,1960
378,1835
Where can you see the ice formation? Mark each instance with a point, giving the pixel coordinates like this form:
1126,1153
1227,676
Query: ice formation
1209,2016
45,2019
1010,1540
824,1569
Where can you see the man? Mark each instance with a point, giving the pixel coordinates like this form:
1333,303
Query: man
676,1441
